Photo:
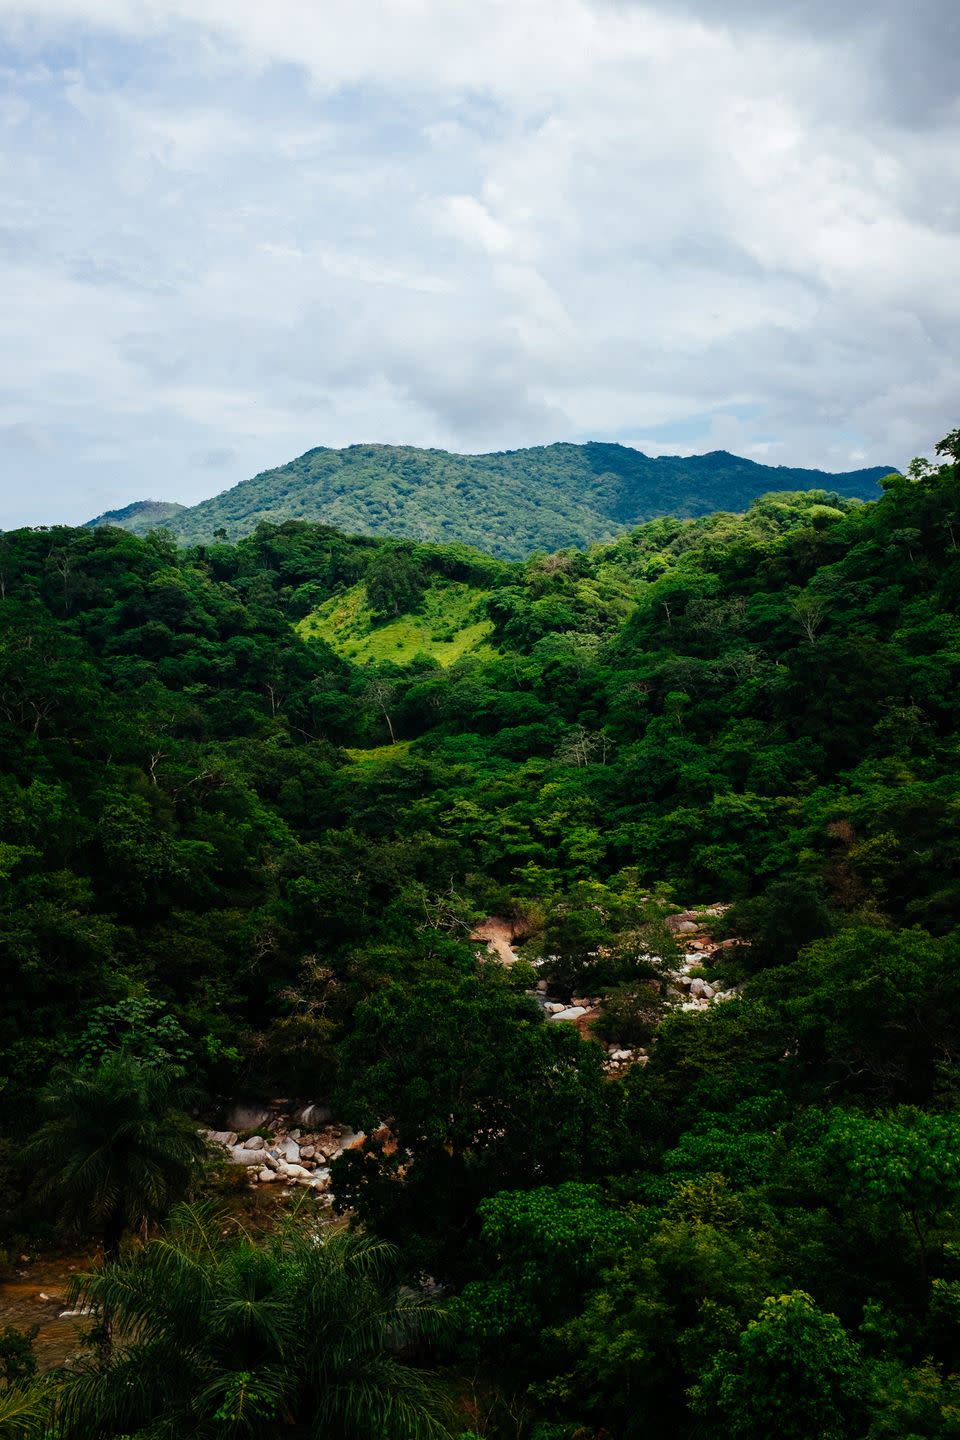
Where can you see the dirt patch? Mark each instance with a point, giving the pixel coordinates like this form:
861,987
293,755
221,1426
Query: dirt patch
499,936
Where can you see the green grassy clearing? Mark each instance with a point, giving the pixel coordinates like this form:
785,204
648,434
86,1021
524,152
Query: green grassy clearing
444,627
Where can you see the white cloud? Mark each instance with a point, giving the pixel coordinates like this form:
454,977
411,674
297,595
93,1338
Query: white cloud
234,230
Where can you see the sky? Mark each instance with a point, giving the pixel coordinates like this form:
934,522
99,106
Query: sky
231,231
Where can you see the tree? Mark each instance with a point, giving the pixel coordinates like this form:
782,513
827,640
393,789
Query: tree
219,1335
794,1373
905,1164
949,446
24,1410
395,583
874,1011
809,611
380,694
539,1251
113,1152
480,1095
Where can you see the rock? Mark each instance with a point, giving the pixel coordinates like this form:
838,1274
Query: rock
687,927
288,1149
243,1156
294,1172
244,1116
572,1012
265,1176
553,1007
708,992
696,989
312,1116
307,1152
226,1138
254,1143
542,986
75,1314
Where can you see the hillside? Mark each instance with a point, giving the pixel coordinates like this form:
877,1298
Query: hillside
263,807
507,504
142,515
449,623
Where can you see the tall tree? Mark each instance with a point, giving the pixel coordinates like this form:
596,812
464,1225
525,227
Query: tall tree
219,1335
114,1150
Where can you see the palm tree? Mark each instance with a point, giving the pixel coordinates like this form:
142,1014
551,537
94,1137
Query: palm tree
24,1410
302,1335
114,1152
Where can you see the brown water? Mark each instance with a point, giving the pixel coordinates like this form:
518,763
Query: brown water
36,1295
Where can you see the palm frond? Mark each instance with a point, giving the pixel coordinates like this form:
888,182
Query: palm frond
24,1410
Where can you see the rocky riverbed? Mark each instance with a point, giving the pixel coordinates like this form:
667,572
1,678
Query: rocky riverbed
284,1146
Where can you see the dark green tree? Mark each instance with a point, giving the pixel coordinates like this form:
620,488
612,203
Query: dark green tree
113,1151
794,1372
219,1335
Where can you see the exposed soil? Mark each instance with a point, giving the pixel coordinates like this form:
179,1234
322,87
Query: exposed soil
499,935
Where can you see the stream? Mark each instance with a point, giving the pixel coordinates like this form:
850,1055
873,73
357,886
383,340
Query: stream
36,1295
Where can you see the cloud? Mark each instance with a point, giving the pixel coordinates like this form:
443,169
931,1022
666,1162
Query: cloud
237,231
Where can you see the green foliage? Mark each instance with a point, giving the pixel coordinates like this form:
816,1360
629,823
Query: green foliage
540,1247
231,847
485,1097
446,626
507,504
794,1371
906,1162
17,1359
218,1335
112,1152
139,1028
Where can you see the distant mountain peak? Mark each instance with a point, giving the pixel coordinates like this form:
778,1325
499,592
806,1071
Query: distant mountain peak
508,503
151,513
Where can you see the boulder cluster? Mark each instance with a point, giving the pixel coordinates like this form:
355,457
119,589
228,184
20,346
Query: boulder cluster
278,1147
686,990
681,987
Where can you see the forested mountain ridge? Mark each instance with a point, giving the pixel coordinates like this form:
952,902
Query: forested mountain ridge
508,504
255,800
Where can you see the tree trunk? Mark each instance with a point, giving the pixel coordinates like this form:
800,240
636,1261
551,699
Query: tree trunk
112,1236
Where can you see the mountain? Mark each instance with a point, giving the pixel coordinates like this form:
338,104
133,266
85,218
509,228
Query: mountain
141,516
508,504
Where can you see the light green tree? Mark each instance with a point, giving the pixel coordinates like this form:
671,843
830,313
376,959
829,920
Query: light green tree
794,1373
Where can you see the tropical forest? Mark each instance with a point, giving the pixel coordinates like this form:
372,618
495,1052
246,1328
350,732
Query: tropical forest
449,995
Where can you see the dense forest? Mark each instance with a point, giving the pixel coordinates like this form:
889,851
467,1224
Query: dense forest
258,800
509,504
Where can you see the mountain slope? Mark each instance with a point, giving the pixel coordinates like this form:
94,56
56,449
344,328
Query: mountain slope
141,516
508,504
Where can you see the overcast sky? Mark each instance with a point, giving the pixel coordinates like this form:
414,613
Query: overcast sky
231,230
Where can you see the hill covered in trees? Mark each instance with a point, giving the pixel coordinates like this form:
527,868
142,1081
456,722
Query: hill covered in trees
258,798
508,504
